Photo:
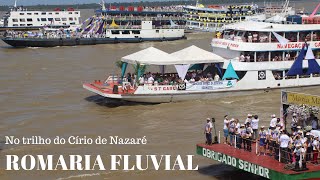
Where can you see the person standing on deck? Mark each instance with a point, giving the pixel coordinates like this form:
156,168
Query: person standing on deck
273,122
316,149
232,127
309,146
262,141
249,132
284,143
255,126
225,129
207,132
249,119
294,122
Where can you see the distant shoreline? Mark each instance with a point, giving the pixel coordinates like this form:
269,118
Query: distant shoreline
145,3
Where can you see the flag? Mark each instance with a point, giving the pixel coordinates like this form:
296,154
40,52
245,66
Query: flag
283,41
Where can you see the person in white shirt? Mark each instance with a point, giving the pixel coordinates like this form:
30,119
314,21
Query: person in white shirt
284,140
273,122
150,80
294,122
248,120
207,132
225,129
242,58
141,80
255,126
216,77
316,149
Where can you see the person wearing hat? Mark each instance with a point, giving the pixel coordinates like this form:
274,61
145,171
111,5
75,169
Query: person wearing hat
249,119
262,140
294,122
226,129
273,122
255,126
315,145
249,133
207,131
243,134
298,154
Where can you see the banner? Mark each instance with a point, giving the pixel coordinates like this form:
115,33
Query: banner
299,99
210,85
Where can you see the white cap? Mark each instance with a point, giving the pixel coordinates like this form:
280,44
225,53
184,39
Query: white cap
242,125
262,127
208,119
232,119
294,114
249,115
299,127
273,115
298,145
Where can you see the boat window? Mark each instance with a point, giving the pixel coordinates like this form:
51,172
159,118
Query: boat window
57,19
72,23
276,56
157,31
43,19
76,12
38,19
22,20
50,13
290,55
57,12
278,75
263,37
15,24
70,19
317,53
115,32
14,20
50,19
126,32
292,36
247,57
274,39
21,13
22,25
29,14
304,36
29,24
135,32
75,18
43,13
316,36
70,12
262,56
29,20
64,19
36,13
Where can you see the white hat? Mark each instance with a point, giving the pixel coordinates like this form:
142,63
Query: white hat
262,127
299,127
298,145
232,119
307,134
208,119
273,115
249,115
242,125
316,136
294,114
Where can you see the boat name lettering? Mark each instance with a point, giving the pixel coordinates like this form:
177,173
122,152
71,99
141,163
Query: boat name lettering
290,46
237,163
229,44
163,88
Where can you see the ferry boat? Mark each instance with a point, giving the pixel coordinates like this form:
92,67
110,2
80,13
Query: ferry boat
98,32
214,17
20,18
250,57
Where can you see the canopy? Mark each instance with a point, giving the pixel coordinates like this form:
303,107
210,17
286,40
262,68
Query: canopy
196,55
151,56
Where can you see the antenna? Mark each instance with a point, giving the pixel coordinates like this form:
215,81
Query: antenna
15,3
103,5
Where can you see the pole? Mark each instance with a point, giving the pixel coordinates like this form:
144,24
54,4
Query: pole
219,138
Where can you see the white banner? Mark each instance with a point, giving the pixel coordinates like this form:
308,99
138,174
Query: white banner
210,85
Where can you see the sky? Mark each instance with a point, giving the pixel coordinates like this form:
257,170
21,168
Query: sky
35,2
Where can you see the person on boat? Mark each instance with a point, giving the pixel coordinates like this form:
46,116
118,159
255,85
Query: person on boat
284,140
243,136
150,80
141,80
231,130
207,131
274,142
237,133
262,141
255,126
225,129
249,132
316,149
273,122
309,146
250,38
242,58
298,153
249,119
294,122
216,77
314,123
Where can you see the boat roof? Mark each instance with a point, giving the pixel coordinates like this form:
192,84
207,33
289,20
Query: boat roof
196,55
272,27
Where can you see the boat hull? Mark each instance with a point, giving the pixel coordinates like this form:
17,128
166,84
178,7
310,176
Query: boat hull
39,42
178,97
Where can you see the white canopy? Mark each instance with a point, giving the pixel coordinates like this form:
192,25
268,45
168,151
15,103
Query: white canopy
196,55
151,56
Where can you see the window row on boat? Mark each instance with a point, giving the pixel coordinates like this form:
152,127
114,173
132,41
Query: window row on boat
280,75
250,56
267,37
42,19
46,13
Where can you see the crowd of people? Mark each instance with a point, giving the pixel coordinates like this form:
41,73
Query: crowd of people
274,140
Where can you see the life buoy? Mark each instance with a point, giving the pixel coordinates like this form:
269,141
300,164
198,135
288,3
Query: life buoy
182,86
262,75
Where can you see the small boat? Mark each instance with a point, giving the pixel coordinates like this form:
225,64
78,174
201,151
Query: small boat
99,33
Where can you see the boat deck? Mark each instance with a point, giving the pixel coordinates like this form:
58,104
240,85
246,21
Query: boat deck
265,161
99,86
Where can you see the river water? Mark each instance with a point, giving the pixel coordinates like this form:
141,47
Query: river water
41,94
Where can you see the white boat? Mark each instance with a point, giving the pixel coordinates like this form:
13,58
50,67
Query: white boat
20,17
213,18
249,65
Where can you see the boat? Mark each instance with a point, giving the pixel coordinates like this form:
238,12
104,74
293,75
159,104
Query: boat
213,17
98,32
20,18
249,57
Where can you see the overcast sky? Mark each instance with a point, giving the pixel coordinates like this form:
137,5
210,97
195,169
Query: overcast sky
35,2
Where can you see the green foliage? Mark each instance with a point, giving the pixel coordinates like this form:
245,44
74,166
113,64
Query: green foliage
119,64
138,67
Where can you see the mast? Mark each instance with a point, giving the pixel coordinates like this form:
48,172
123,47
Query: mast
15,3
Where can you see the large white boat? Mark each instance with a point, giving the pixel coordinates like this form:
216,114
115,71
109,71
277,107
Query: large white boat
214,17
22,18
254,56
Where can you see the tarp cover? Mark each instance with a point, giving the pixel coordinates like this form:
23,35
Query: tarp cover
151,56
196,55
